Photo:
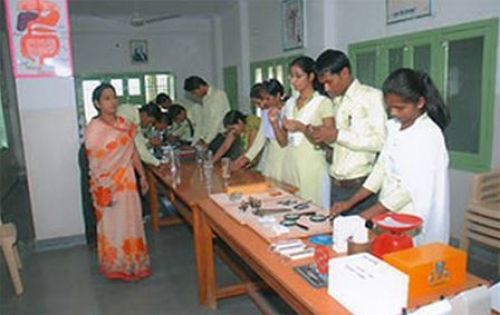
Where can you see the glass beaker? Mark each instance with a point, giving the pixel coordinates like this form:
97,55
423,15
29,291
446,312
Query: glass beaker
226,168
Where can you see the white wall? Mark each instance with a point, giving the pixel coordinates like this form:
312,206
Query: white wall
182,46
344,18
265,29
235,29
262,35
315,32
49,129
231,39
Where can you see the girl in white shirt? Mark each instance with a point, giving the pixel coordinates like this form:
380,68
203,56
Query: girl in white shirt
411,173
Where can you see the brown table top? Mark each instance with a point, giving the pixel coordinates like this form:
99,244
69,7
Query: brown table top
192,189
278,273
191,186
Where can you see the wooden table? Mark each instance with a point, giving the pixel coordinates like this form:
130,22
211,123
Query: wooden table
210,219
190,187
185,191
190,195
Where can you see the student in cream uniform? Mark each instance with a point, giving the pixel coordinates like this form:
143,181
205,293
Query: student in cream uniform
411,174
359,133
305,165
269,97
214,106
194,111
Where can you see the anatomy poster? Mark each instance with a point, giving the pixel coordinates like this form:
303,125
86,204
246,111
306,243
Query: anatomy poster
39,34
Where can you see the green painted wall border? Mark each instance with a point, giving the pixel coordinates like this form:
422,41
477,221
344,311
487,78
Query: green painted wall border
489,29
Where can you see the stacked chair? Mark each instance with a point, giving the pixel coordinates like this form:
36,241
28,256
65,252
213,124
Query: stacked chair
482,217
8,239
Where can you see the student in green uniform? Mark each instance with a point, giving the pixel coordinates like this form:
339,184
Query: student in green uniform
359,133
239,135
214,106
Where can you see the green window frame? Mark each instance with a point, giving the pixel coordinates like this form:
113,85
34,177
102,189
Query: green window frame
134,90
373,60
272,68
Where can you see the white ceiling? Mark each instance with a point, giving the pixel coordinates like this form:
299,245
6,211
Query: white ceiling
150,8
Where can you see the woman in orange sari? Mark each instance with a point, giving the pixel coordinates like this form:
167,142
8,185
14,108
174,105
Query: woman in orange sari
109,139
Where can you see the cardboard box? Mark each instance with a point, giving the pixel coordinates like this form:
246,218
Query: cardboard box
432,268
366,285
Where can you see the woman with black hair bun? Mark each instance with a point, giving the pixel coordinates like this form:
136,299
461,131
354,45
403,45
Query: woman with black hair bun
411,173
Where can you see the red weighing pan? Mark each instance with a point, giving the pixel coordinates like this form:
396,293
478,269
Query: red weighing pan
397,222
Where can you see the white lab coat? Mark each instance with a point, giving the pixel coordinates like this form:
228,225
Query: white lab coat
418,156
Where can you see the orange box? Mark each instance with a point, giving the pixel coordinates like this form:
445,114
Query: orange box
432,268
250,188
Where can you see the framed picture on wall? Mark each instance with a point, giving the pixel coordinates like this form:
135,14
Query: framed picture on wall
401,10
139,51
292,24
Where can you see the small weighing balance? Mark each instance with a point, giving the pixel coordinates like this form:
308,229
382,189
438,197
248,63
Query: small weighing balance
395,236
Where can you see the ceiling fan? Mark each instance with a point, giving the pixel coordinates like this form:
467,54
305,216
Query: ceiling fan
138,20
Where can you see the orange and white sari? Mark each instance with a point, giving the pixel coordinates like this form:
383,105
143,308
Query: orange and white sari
121,246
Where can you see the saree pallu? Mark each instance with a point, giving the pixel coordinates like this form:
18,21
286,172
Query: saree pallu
121,245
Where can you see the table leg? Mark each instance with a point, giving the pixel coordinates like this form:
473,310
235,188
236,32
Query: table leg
154,202
207,287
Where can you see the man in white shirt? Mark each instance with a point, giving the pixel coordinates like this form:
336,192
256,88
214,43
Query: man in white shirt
359,132
194,112
214,106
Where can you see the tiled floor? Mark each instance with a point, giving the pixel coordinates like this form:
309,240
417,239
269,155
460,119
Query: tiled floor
66,281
